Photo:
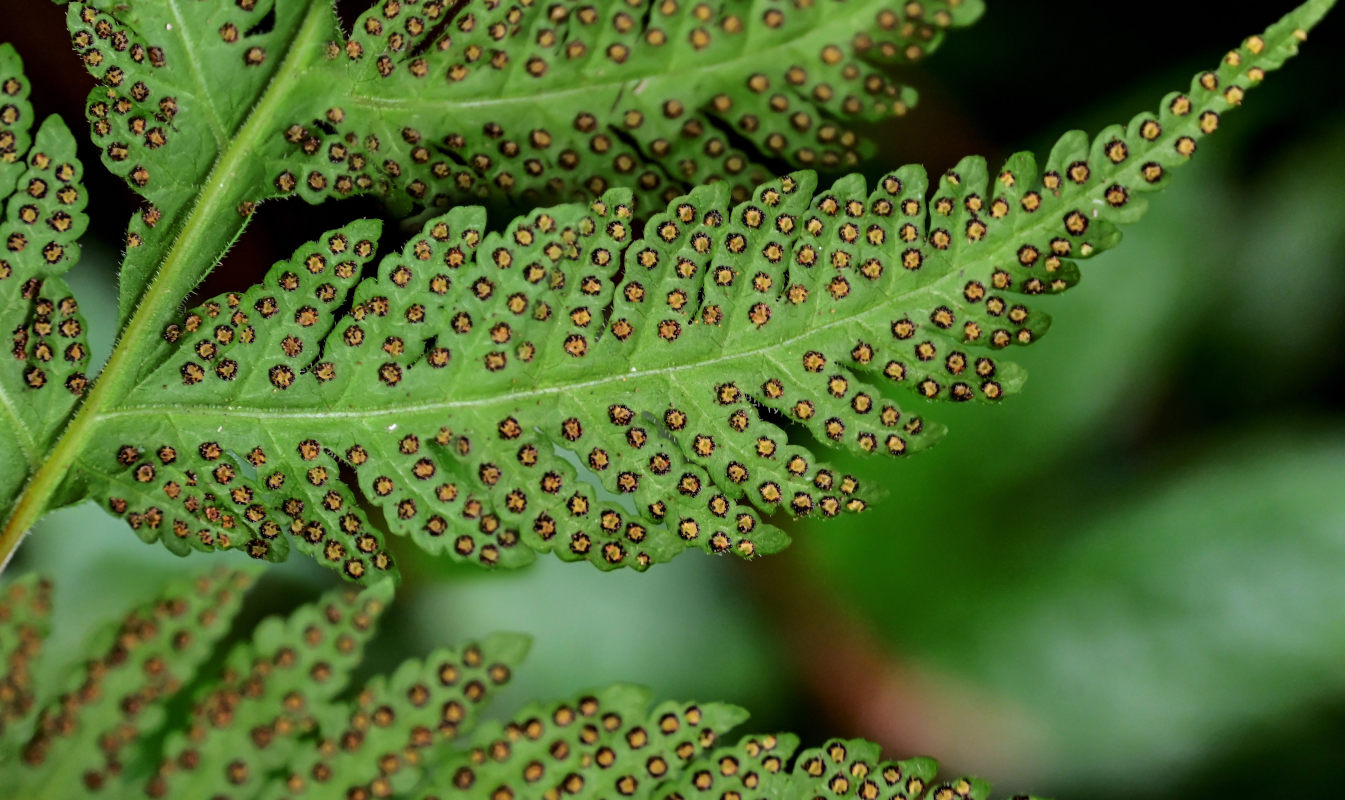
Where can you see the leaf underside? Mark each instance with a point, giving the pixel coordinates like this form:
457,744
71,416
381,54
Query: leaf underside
277,718
46,353
24,610
566,385
430,103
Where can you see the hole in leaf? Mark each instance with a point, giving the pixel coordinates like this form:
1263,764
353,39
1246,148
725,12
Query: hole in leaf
264,25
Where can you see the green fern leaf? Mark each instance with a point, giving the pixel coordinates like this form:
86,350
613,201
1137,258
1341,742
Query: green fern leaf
16,118
84,737
567,386
564,385
673,751
172,114
653,96
271,696
430,102
43,217
276,719
24,624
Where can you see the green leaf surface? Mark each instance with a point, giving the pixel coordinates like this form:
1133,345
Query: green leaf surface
83,738
272,719
24,614
426,103
654,96
16,118
43,198
197,103
171,114
565,386
269,692
1205,608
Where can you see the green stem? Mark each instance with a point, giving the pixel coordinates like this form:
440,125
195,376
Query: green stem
209,228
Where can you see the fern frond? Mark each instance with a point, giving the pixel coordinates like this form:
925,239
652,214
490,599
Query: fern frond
673,752
24,613
433,102
178,86
85,737
653,95
43,374
406,722
16,118
566,385
270,697
275,720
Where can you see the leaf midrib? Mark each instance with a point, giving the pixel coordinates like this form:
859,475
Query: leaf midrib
254,412
1035,230
218,198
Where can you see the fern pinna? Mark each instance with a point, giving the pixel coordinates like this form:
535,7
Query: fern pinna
208,110
434,102
578,385
276,716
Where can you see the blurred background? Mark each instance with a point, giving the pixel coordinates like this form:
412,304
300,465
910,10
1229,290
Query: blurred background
1127,581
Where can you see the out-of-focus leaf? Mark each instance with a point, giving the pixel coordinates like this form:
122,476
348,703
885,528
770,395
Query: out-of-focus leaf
1205,606
1171,625
274,718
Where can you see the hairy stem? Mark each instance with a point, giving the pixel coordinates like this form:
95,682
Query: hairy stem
208,229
